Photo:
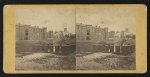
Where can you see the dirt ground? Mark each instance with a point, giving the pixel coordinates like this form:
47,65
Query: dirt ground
90,61
105,61
45,61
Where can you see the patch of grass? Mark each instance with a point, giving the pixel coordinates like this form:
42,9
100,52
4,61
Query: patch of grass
68,63
116,62
56,63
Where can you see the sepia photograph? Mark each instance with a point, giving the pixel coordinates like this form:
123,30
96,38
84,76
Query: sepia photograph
105,39
45,39
75,39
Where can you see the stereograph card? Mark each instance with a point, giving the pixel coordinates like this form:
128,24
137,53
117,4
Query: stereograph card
75,38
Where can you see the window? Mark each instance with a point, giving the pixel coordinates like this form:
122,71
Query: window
88,32
26,32
87,38
26,35
26,38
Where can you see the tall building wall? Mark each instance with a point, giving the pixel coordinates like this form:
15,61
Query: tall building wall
91,33
28,32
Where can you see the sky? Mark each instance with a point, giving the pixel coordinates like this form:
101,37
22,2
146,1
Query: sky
114,18
54,19
57,18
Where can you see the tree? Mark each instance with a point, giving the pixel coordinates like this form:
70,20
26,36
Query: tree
124,39
61,39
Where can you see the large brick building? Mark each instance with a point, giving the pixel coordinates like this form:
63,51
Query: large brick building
95,38
90,33
32,38
28,32
87,36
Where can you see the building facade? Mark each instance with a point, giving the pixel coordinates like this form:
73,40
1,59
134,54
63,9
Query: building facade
33,39
91,33
87,37
28,32
95,38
